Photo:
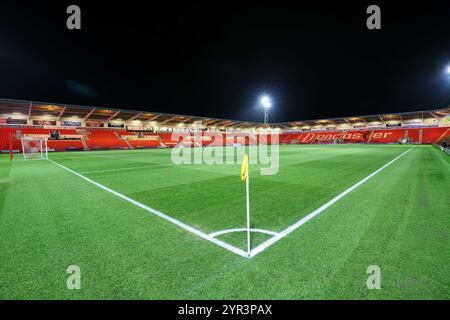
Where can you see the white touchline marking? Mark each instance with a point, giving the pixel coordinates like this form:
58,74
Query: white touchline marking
263,246
219,233
160,214
119,169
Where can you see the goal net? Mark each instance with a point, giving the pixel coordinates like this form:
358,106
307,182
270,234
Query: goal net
34,148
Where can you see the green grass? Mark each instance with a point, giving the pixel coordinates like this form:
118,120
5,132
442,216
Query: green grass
399,220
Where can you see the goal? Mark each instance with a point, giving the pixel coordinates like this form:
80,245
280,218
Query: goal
34,148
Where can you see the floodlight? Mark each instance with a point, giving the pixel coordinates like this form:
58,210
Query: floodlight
448,69
265,102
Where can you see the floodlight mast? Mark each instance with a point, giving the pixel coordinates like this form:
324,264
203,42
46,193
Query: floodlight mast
265,102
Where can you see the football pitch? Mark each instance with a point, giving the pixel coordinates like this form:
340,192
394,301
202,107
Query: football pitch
141,227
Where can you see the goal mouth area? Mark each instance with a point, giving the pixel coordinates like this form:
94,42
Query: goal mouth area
34,148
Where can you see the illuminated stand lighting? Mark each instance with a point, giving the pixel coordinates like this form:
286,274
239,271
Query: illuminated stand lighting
265,102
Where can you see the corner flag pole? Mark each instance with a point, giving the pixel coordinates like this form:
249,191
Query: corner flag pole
248,214
245,176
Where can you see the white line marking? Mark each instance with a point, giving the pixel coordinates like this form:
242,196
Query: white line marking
120,169
160,214
210,237
263,246
219,233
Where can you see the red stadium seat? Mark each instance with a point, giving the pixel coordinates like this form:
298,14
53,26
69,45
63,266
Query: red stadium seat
432,135
104,139
140,143
65,145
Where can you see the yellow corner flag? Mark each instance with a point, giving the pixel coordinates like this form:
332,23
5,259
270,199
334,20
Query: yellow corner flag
244,168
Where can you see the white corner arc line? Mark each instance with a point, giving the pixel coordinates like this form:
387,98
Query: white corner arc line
221,232
263,246
160,214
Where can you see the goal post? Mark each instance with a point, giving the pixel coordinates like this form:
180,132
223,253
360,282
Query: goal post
34,148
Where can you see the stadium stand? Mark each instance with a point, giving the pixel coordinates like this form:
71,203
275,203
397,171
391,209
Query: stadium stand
115,139
97,129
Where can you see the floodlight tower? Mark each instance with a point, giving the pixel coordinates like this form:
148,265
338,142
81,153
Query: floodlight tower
265,102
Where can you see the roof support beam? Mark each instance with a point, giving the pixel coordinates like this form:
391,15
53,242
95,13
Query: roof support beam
29,110
242,125
229,124
187,119
113,116
88,114
135,116
168,120
249,125
153,118
61,113
433,115
221,123
209,121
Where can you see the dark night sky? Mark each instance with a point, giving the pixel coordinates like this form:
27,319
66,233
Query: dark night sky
214,58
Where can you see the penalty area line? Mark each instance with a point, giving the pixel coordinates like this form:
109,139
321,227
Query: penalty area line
159,214
263,246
